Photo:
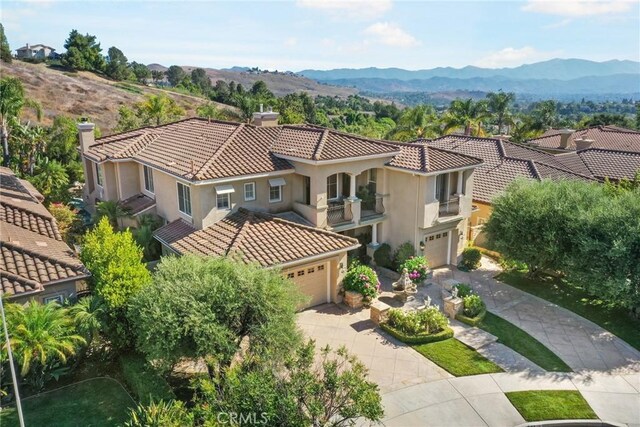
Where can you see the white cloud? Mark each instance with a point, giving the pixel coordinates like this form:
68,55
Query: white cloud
577,8
349,9
391,35
512,57
291,41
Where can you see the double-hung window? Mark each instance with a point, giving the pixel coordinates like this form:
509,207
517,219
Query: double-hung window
275,189
332,187
249,191
223,201
148,178
184,199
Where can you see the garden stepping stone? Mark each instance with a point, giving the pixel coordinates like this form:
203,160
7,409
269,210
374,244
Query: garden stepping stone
473,337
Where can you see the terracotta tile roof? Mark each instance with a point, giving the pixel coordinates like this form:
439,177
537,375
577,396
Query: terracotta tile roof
316,143
259,237
32,251
424,158
504,162
611,164
138,203
608,137
573,161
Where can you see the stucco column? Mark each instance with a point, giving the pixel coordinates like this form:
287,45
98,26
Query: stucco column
460,182
352,186
374,234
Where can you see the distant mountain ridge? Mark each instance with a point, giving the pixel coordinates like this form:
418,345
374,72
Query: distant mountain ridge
556,69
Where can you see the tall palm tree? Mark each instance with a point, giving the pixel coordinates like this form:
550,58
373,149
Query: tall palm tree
12,101
158,109
51,180
468,115
499,105
113,210
419,122
87,315
41,334
30,142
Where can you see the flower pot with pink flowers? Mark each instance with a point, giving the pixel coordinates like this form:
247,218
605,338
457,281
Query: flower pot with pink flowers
418,268
361,286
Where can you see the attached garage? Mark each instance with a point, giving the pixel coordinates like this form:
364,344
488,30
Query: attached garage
437,247
313,281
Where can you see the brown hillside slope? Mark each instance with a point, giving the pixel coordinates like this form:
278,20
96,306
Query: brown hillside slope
85,94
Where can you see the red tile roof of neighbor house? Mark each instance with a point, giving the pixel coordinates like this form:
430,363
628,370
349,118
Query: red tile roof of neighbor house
611,164
425,158
199,149
258,237
504,161
608,137
32,252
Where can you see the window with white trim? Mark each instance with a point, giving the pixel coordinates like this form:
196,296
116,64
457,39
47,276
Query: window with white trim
275,193
223,201
57,298
249,191
99,176
332,186
184,199
148,178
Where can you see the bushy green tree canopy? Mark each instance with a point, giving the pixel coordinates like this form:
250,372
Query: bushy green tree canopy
117,64
5,50
83,53
175,74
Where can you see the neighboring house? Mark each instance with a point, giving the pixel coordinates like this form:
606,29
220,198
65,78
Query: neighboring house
292,197
503,162
36,263
605,137
36,51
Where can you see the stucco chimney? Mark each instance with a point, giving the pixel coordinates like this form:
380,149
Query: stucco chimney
85,135
583,143
266,119
564,137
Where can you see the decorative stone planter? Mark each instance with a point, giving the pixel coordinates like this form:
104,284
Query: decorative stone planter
379,312
353,299
453,306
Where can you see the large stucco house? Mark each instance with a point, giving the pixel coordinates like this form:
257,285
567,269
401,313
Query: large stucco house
292,197
35,262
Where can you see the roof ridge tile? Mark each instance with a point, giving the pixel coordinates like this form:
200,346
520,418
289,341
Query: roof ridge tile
318,151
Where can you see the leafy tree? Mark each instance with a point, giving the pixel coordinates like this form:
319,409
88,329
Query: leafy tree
330,390
115,263
157,76
127,119
140,71
65,218
175,74
5,50
143,234
83,53
466,114
201,80
261,91
418,122
63,146
12,101
117,65
209,111
297,108
113,211
52,181
27,144
208,307
42,338
604,119
499,105
158,109
160,414
544,115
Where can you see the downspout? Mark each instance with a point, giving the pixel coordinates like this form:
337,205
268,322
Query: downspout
415,231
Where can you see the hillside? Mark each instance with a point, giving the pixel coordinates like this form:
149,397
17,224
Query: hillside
85,94
280,84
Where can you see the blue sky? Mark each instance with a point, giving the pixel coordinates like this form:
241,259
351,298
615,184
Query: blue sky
298,34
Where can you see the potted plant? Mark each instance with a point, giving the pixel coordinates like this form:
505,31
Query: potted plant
361,286
418,269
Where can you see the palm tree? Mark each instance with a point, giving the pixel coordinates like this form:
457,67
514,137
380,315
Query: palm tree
415,123
209,111
544,115
466,114
41,334
87,315
30,142
499,105
12,101
51,180
158,109
113,210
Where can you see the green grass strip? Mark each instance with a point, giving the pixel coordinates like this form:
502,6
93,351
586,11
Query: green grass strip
543,405
457,358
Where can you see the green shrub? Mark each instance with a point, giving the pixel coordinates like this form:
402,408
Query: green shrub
163,413
470,259
362,279
427,321
472,321
382,256
418,268
473,305
402,253
444,334
143,381
464,290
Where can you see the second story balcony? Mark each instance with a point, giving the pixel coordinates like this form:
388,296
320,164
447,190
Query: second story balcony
339,212
450,207
372,207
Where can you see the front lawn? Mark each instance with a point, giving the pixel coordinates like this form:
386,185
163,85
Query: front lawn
520,341
542,405
457,358
99,402
558,291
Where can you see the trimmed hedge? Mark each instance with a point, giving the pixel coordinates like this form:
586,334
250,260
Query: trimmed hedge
444,334
143,381
472,321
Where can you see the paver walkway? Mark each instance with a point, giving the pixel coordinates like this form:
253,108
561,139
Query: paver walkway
582,344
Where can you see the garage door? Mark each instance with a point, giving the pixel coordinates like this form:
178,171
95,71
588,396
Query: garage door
312,280
435,248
